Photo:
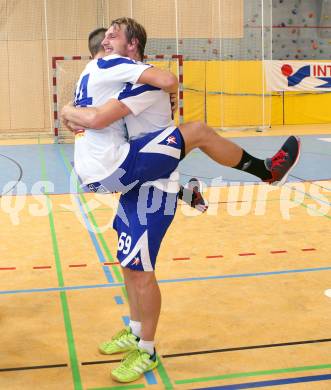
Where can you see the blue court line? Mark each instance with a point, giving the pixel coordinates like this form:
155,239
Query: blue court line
92,235
126,320
276,382
118,300
217,277
150,378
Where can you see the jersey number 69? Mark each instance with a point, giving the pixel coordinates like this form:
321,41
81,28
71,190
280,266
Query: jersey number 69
124,243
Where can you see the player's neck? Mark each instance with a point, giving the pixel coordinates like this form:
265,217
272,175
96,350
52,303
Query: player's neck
99,55
134,56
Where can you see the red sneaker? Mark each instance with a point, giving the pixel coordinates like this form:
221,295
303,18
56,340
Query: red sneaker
282,163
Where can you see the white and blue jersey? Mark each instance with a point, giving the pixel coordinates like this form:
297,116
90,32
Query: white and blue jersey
99,153
150,107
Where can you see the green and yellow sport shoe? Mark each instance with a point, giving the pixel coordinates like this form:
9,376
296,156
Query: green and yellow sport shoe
133,366
123,341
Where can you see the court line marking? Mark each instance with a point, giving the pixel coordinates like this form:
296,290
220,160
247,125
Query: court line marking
100,362
119,300
179,280
275,382
244,348
310,208
20,174
224,350
306,193
246,254
33,367
254,373
123,387
63,296
115,263
174,258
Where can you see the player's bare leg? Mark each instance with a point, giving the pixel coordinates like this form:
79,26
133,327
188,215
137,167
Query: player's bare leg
132,297
143,358
127,338
221,150
272,170
148,299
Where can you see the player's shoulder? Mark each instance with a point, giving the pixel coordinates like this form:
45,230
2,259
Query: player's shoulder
113,60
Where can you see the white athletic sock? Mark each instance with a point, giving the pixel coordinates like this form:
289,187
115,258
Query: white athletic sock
147,346
135,328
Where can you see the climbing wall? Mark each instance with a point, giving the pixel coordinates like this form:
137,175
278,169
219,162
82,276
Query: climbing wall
301,29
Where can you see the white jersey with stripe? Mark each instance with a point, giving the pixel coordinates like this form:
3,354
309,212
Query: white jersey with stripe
150,107
151,111
98,153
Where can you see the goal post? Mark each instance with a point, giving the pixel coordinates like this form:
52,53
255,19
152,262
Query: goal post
66,71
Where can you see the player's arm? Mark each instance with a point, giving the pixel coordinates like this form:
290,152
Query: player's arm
95,117
159,78
125,70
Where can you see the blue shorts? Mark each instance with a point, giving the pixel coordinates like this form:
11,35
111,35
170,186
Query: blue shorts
144,215
152,157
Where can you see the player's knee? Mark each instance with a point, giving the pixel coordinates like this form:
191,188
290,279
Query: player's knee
192,131
200,130
144,281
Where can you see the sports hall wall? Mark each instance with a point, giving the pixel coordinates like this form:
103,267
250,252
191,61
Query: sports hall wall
220,41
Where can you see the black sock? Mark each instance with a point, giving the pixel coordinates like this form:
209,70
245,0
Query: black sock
254,166
153,357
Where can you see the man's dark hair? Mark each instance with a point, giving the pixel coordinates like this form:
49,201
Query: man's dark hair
94,40
133,30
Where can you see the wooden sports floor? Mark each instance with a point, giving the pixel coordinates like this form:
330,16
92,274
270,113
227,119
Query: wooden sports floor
245,287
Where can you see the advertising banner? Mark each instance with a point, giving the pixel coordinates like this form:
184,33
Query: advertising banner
298,76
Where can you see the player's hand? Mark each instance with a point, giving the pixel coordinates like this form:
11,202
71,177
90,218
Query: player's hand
66,108
65,122
73,127
174,102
